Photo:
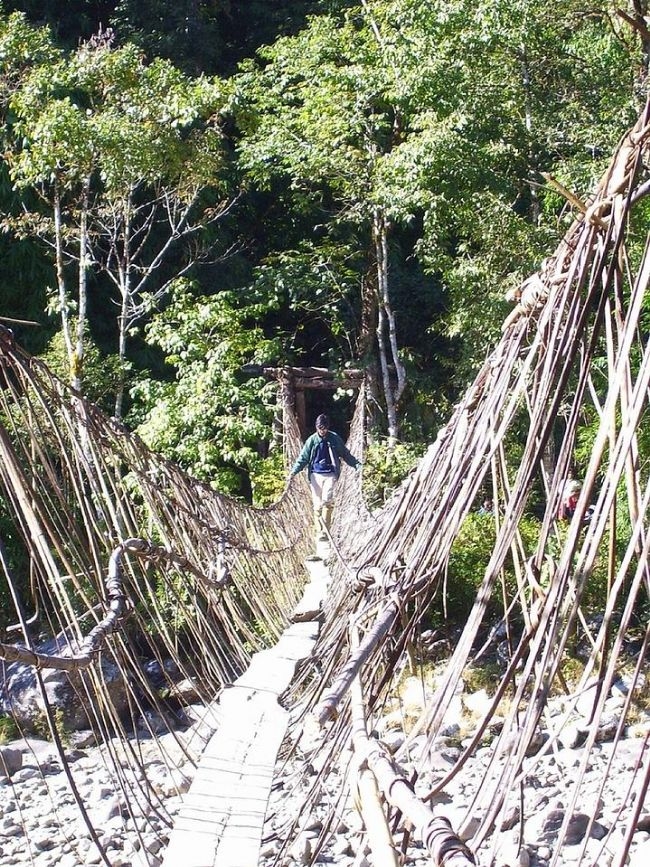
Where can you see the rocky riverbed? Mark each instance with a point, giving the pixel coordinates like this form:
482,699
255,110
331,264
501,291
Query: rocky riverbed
41,823
596,824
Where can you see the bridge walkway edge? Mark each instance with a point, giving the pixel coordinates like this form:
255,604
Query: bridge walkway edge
221,819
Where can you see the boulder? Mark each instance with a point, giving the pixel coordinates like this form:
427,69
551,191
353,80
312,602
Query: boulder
70,694
11,760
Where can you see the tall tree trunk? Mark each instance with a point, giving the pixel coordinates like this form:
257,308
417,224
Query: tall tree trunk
123,320
387,331
366,346
82,310
62,290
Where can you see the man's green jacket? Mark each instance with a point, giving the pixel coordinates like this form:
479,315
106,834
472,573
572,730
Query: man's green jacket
339,452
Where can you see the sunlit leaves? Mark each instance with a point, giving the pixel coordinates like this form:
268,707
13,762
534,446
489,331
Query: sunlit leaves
106,111
211,418
127,159
21,47
442,115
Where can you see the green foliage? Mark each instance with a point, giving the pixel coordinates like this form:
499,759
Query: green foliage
100,375
468,560
440,115
22,47
320,108
517,101
127,159
316,285
385,468
108,112
212,418
486,675
268,479
9,731
16,558
471,552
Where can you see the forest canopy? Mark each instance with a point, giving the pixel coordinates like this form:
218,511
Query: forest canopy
192,188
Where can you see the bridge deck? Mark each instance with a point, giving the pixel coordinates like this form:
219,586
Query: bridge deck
222,816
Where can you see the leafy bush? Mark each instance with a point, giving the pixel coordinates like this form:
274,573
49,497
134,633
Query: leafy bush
101,373
17,561
385,468
268,479
8,730
470,554
468,560
213,420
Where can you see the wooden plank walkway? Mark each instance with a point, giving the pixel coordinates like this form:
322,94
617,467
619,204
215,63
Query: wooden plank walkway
221,819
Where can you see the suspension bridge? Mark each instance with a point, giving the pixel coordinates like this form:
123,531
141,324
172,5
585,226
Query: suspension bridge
128,559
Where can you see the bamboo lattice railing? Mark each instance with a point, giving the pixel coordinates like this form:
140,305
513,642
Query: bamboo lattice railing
573,342
131,561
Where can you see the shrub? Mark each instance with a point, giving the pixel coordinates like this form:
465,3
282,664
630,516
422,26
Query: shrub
268,479
8,730
384,469
471,552
468,560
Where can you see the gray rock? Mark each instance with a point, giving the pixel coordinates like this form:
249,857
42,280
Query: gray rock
11,760
573,734
576,829
598,831
393,740
21,698
644,823
26,774
536,743
510,818
626,683
301,850
585,700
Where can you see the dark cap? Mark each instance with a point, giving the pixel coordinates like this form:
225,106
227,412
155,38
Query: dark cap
323,421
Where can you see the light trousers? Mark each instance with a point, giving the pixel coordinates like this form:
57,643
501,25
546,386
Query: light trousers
322,489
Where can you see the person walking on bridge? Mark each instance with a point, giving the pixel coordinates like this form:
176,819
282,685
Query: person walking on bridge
322,454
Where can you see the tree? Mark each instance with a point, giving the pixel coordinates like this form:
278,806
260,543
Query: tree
513,89
323,111
127,160
396,113
211,418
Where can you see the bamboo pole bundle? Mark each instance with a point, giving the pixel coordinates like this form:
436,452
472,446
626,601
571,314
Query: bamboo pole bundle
543,365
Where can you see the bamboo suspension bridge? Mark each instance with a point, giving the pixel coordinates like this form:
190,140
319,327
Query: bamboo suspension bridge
129,559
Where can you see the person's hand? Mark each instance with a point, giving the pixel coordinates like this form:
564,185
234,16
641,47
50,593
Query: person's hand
358,466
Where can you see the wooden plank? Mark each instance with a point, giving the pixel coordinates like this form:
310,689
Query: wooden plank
309,606
221,820
223,814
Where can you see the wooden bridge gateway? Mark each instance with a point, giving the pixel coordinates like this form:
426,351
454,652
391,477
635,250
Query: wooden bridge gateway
212,585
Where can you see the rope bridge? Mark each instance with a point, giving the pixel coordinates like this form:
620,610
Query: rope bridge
208,582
